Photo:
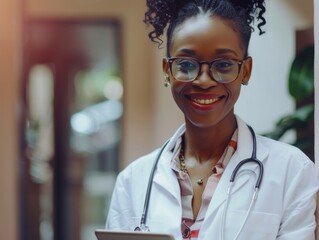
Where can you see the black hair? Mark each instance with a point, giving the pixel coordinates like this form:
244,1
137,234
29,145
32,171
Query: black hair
241,13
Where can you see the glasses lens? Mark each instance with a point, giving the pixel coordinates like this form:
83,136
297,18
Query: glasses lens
224,70
185,69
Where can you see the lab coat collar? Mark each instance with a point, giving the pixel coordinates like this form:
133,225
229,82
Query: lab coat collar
244,140
245,143
166,178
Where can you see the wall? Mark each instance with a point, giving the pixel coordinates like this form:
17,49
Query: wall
136,57
9,75
266,98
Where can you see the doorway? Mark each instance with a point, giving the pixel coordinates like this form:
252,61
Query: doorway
73,93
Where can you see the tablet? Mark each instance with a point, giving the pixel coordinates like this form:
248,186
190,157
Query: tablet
119,235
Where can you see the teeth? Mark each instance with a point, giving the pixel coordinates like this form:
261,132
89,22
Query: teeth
205,101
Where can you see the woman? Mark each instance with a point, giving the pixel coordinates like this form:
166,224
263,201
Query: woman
206,65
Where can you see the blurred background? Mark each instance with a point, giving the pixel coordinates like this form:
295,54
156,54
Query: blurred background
82,96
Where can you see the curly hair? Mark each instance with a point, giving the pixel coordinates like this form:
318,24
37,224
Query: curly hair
241,14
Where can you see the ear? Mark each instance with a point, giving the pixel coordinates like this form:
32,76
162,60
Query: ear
165,66
248,65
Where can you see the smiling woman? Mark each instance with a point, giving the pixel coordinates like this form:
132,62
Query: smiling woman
205,66
226,51
147,111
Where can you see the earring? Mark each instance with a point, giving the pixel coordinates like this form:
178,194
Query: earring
166,81
245,83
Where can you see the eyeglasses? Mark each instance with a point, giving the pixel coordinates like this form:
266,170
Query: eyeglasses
221,70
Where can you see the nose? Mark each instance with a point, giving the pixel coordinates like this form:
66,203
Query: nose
204,80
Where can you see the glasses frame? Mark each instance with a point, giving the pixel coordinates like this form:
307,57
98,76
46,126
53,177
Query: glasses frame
170,61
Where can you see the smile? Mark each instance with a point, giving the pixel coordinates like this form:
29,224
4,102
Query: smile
205,101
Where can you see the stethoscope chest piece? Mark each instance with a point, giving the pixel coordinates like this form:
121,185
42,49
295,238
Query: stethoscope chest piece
142,228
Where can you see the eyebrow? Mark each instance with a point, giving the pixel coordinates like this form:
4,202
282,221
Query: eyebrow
187,51
226,50
218,51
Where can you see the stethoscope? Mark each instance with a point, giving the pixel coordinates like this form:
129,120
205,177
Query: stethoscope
253,159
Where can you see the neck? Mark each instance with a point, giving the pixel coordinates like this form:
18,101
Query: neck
209,143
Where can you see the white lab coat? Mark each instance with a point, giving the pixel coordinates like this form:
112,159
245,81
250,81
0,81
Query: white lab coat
284,209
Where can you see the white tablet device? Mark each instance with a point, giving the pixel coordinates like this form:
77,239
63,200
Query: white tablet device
117,235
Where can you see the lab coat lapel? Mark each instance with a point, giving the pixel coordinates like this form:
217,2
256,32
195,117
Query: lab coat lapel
165,177
244,150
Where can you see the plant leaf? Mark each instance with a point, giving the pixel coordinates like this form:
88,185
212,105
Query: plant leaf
301,76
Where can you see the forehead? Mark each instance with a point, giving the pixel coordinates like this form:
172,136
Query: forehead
206,35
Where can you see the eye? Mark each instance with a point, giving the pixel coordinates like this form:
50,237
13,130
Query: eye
186,65
224,65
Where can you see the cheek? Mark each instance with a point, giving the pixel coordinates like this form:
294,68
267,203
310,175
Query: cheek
236,94
178,91
233,90
177,88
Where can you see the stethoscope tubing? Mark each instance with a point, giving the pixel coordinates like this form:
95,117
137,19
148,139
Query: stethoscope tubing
249,160
252,159
143,226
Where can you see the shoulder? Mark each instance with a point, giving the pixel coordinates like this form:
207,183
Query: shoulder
288,168
287,161
278,151
283,150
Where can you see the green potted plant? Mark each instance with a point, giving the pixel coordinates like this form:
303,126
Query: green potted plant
301,89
